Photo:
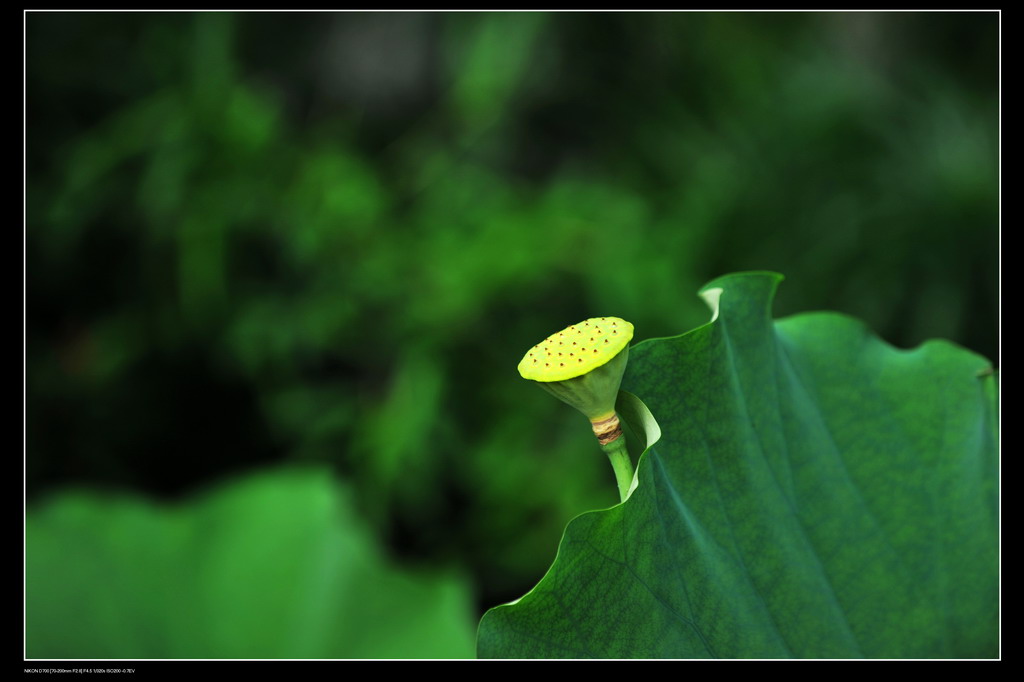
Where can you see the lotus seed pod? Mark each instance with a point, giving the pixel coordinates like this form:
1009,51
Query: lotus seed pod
582,365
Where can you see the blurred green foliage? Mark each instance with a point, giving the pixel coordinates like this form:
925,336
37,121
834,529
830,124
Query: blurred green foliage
330,237
273,566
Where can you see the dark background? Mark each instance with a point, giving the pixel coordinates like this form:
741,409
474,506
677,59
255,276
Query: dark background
258,238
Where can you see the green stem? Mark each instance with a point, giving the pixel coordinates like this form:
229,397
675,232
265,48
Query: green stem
621,464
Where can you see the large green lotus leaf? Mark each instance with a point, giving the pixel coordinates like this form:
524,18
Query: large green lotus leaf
273,566
815,493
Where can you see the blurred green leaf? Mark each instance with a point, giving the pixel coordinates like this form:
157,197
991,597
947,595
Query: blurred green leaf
275,566
816,493
493,63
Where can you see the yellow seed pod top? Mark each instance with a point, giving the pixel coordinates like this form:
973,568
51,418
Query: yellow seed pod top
576,350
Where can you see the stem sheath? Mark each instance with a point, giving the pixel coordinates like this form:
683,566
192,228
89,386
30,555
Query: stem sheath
621,464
